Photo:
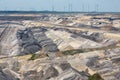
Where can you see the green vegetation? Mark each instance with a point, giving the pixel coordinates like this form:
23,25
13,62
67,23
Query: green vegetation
76,51
36,56
95,76
33,57
72,52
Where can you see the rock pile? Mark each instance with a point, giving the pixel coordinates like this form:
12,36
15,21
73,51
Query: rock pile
42,71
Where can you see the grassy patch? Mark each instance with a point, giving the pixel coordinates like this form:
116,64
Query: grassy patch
72,52
36,56
33,57
95,76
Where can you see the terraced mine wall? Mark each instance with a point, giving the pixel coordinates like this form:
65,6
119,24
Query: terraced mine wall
21,18
20,41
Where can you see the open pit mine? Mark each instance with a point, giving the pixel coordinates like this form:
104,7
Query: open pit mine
72,46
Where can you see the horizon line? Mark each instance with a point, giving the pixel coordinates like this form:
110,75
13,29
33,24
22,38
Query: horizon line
49,11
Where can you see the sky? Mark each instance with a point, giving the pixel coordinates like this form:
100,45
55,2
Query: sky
61,5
